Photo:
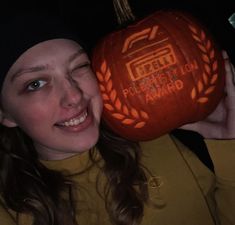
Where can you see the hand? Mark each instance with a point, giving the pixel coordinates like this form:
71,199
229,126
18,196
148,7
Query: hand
220,124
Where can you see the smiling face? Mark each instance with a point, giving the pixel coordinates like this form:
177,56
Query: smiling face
51,93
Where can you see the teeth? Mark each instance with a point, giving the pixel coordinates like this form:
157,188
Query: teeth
75,121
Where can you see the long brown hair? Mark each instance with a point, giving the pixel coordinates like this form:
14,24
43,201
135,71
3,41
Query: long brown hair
126,190
27,186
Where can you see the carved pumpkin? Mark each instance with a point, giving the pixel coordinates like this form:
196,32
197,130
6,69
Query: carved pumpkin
158,74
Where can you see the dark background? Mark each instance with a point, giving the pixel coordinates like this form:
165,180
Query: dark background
100,16
95,18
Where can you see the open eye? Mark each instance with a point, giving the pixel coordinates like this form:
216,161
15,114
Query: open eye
35,85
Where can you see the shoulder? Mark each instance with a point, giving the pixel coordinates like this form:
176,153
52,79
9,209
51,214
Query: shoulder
162,149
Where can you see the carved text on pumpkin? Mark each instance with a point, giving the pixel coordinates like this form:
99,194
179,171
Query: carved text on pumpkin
151,62
161,83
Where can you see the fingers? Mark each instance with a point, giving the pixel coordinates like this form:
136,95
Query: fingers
225,54
233,72
207,130
229,78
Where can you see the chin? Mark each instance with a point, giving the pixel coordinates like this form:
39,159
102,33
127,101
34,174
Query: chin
86,142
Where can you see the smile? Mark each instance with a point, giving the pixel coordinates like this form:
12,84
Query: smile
75,121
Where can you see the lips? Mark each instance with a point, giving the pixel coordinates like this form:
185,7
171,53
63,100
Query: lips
74,121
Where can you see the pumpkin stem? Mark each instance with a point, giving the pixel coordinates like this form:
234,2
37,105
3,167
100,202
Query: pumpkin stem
123,11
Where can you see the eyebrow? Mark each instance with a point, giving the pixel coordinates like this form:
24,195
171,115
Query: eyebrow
21,71
81,51
39,68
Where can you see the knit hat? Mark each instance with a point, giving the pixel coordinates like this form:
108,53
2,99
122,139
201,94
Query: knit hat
22,31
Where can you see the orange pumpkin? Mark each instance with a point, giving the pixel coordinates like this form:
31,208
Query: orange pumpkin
160,73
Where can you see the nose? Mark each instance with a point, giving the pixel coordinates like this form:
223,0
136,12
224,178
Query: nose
71,94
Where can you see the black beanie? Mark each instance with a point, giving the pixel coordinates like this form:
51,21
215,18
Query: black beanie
22,31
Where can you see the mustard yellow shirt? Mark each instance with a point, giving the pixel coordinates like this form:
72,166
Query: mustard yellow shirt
182,189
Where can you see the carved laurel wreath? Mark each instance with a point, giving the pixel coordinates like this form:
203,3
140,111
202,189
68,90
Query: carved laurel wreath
128,115
206,84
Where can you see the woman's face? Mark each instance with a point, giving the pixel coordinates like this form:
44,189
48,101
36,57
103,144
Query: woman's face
52,94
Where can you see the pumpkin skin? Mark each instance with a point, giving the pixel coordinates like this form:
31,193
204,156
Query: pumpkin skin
158,74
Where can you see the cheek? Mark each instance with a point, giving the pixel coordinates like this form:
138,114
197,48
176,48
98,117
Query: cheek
90,86
94,93
29,114
33,117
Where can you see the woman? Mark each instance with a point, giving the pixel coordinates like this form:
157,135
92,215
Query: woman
60,165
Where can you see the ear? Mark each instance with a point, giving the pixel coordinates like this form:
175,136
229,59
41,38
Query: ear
6,120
